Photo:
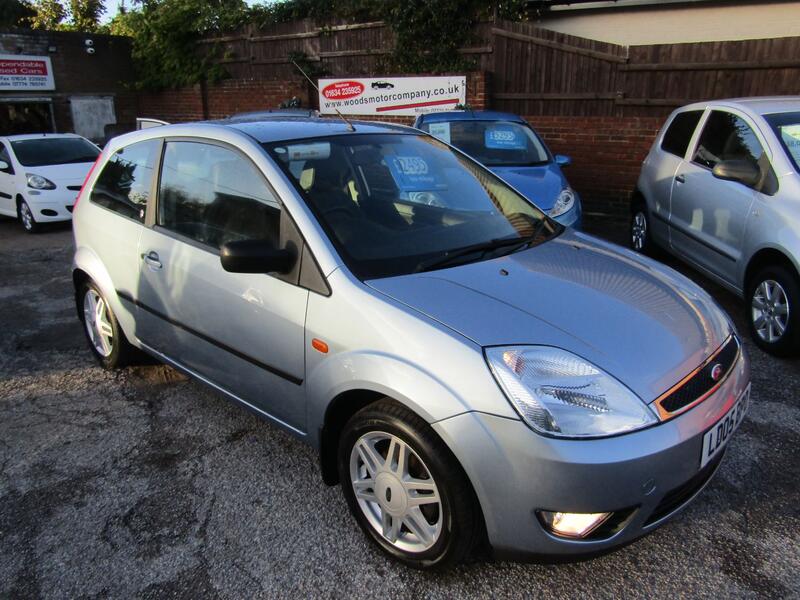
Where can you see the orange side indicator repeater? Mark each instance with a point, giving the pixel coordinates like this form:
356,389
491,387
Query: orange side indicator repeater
319,346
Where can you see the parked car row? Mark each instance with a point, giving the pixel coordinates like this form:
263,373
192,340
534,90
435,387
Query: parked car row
470,370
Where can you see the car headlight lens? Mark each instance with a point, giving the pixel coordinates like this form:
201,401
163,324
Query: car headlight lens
564,202
560,394
38,182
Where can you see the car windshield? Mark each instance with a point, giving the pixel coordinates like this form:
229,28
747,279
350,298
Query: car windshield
493,143
40,152
787,129
395,204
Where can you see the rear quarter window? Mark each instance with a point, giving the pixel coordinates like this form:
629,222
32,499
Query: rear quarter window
125,182
680,130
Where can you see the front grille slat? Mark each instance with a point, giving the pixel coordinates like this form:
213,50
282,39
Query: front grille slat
699,384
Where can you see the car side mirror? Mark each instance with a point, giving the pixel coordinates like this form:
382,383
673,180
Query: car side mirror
563,160
256,256
741,171
4,166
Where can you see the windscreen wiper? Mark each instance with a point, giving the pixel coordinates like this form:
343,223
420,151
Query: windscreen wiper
483,248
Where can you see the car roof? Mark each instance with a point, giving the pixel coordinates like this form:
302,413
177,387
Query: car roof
470,115
759,105
265,128
37,136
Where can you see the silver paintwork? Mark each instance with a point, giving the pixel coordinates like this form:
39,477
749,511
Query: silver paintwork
399,500
419,339
718,226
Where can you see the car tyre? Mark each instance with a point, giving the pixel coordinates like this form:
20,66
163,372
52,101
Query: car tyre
773,310
385,450
640,238
106,339
25,215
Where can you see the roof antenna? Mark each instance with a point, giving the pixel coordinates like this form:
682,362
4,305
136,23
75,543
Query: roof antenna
341,116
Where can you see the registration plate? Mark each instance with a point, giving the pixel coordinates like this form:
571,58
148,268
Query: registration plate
715,438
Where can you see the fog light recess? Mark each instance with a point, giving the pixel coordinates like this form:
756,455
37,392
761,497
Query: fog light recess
572,525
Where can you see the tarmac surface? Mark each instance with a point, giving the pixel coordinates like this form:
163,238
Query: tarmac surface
141,483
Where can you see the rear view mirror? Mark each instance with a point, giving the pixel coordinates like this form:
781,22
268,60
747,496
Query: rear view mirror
563,160
256,256
741,171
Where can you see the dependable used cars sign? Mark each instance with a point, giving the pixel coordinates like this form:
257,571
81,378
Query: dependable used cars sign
20,72
399,96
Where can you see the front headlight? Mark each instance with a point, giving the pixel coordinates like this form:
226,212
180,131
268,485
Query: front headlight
38,182
560,394
564,202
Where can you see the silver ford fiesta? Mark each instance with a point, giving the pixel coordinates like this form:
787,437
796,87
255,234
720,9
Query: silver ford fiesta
470,371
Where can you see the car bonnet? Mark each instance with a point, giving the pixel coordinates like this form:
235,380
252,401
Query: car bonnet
638,320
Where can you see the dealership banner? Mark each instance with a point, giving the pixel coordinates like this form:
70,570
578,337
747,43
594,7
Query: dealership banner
398,96
20,72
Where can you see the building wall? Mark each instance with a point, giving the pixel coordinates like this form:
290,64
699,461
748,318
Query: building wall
106,72
670,24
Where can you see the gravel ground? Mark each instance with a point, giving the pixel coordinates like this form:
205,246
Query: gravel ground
142,483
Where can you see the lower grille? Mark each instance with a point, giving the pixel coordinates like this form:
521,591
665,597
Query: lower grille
679,496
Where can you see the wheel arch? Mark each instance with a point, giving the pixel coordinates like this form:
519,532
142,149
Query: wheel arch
766,257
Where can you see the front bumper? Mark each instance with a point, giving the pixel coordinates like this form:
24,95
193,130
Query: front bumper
49,206
651,474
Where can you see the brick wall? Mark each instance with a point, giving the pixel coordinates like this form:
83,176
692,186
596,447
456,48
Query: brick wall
606,152
232,96
220,100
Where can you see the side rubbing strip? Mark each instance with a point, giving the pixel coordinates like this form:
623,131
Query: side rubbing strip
283,375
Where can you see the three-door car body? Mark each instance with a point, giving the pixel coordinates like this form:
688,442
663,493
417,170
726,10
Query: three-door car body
581,394
510,148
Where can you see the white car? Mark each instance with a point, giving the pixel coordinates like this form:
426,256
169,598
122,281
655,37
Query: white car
41,175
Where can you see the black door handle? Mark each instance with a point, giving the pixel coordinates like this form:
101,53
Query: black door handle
680,179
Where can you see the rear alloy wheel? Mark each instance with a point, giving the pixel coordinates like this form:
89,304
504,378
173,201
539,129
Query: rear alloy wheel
106,339
773,298
406,489
26,218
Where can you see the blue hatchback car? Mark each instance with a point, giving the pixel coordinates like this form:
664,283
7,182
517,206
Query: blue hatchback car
510,147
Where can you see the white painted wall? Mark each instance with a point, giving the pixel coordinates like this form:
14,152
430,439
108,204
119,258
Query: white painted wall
679,24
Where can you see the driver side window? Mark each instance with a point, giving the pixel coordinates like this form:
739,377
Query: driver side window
726,137
214,195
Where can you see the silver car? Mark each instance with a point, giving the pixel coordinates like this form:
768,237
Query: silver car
470,371
720,189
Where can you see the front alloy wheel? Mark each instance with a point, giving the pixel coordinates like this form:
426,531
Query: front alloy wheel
405,488
396,492
26,218
772,310
639,231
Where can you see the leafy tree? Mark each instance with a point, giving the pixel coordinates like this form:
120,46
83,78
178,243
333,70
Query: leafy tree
165,35
14,13
48,14
85,14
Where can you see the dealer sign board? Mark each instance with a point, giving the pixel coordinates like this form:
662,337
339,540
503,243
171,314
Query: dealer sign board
23,73
397,96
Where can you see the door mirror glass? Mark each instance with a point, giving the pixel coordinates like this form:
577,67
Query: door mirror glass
563,160
741,171
256,256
